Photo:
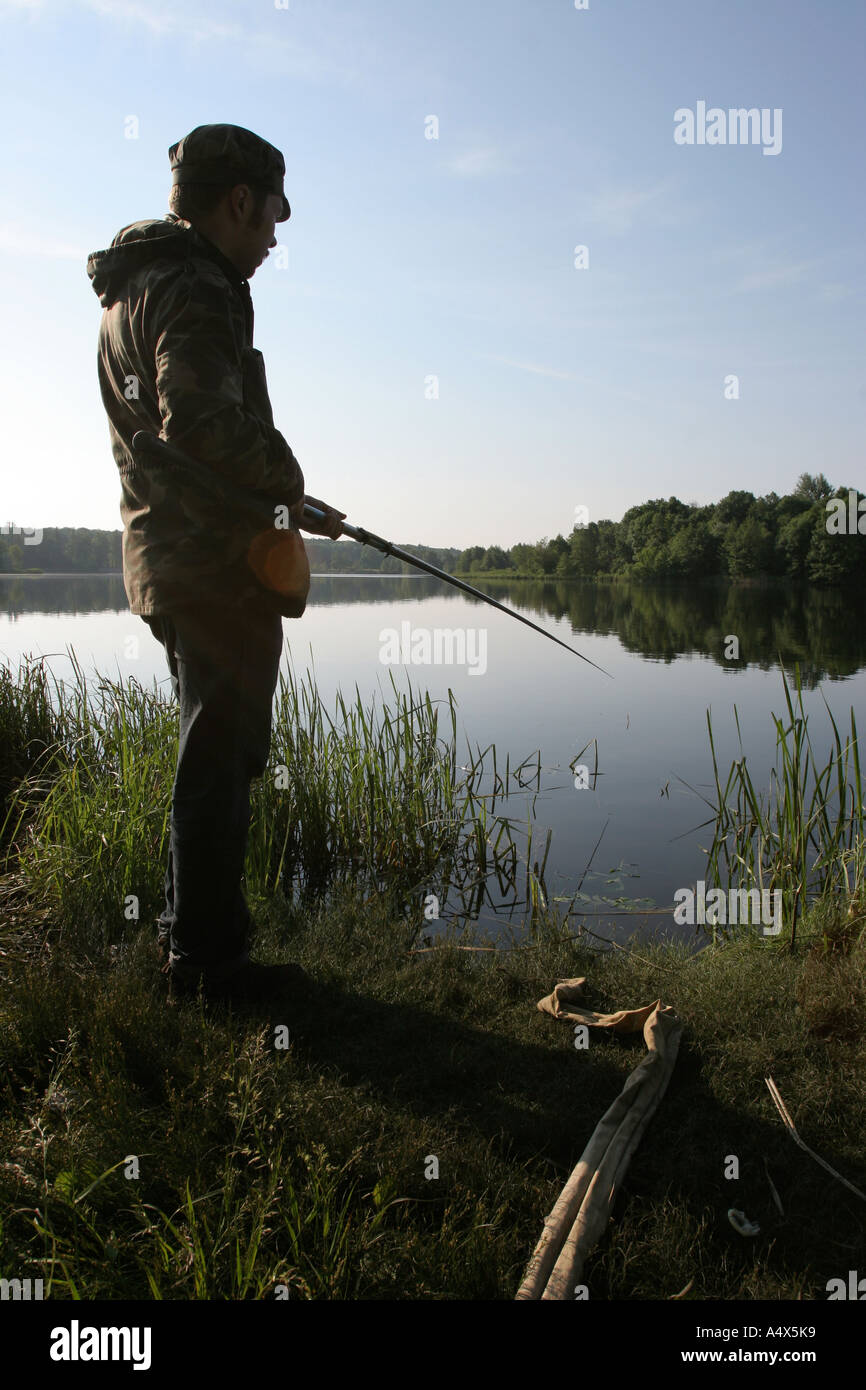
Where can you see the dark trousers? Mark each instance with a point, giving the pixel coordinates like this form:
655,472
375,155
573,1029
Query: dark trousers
224,667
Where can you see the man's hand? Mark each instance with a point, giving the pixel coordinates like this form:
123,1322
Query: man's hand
329,526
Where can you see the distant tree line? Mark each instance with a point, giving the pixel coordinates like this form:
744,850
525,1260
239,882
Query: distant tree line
79,550
742,536
62,550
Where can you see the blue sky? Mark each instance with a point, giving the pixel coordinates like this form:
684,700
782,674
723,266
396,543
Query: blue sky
410,257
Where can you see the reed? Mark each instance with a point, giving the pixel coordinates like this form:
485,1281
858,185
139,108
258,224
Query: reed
803,836
27,730
362,794
373,794
87,827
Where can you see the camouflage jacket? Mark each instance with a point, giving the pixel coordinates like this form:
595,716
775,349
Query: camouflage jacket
176,358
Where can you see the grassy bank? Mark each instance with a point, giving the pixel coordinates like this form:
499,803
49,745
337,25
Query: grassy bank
304,1165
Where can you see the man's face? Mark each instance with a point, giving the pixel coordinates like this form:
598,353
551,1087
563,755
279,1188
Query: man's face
255,239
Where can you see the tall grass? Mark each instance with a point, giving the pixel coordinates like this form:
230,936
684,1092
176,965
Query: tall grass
88,827
363,794
366,794
804,836
28,728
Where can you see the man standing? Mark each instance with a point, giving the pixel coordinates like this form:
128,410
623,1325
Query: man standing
176,358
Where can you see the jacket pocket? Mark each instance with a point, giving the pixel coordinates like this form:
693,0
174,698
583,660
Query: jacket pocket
255,385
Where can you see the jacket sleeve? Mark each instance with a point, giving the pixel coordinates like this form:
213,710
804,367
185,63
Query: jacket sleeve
212,392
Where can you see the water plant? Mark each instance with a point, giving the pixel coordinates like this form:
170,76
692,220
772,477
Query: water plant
803,836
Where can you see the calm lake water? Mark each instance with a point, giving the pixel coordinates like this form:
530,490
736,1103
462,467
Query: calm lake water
665,651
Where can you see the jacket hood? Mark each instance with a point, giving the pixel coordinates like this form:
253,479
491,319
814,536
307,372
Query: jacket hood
143,243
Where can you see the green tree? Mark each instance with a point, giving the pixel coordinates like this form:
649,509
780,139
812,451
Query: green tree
582,559
748,548
735,507
495,558
793,539
814,487
836,558
470,559
524,558
693,551
551,553
606,547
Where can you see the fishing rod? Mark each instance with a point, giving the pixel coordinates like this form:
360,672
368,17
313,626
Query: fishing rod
150,446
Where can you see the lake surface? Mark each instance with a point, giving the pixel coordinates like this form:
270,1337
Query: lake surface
664,648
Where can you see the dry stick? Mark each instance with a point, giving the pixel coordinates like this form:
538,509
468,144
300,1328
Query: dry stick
423,950
682,1293
567,1235
590,1224
789,1125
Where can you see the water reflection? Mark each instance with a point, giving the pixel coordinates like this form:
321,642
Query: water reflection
822,629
